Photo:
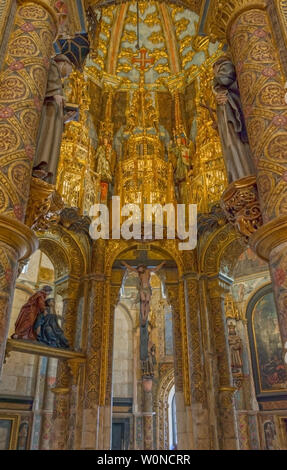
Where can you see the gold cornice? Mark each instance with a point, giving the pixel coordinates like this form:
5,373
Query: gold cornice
60,390
269,236
48,6
17,235
238,184
222,14
193,5
33,347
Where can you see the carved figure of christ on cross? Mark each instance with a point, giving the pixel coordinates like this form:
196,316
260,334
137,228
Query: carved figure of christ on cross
145,290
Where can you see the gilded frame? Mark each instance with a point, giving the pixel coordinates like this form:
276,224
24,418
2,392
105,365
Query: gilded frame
15,421
261,394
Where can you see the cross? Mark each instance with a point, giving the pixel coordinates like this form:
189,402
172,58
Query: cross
143,60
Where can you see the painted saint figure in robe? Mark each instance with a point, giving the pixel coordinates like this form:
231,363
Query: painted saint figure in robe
53,117
230,121
47,328
105,165
235,346
24,326
180,156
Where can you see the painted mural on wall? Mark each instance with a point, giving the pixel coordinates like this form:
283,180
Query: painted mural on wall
267,345
5,432
249,264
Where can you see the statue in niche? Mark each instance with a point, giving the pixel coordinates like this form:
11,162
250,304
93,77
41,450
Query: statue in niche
230,121
105,165
53,118
47,328
24,326
235,346
180,156
148,365
270,436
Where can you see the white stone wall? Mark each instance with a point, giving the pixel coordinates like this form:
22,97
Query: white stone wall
123,355
18,374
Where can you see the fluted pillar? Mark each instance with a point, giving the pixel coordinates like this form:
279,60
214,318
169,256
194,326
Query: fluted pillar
22,90
148,414
228,434
48,399
247,26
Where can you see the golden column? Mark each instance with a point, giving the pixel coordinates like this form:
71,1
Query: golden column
246,24
198,379
97,358
228,434
22,89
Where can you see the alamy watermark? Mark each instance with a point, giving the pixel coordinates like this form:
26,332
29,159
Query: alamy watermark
159,222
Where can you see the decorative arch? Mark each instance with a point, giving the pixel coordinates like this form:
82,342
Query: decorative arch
184,261
127,312
65,251
222,248
164,387
175,294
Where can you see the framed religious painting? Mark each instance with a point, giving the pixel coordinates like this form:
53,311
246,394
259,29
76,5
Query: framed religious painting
9,425
269,370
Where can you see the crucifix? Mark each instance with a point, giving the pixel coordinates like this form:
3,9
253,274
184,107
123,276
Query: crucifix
144,296
142,63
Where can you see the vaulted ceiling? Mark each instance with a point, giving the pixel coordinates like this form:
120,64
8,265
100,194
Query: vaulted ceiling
167,31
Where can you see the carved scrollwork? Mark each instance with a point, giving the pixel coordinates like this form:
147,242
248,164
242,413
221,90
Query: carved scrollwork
44,205
222,12
240,203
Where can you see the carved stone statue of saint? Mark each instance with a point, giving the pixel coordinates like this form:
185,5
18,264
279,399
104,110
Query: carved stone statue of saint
230,121
105,162
149,364
47,328
52,118
235,346
24,326
180,156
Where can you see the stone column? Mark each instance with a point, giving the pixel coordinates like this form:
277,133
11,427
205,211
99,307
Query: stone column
48,400
113,291
22,90
199,408
175,294
90,432
61,437
228,434
148,414
247,26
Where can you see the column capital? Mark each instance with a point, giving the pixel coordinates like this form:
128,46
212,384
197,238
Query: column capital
17,235
269,236
222,13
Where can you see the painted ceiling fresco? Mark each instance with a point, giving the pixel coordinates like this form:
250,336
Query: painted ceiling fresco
168,32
